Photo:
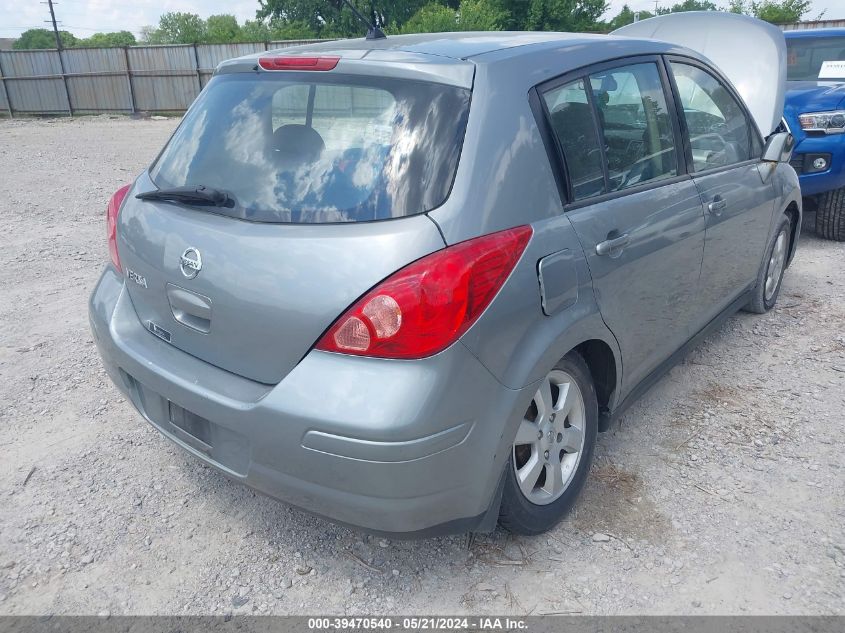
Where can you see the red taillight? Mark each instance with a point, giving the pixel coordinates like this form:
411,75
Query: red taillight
426,306
111,223
298,63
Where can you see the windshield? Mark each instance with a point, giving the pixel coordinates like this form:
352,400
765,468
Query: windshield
806,58
312,148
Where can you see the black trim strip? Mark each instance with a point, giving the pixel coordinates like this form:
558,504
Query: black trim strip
551,144
675,117
599,133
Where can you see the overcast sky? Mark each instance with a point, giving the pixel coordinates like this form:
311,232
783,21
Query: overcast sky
84,17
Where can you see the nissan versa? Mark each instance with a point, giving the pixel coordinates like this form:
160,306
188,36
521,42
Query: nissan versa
403,282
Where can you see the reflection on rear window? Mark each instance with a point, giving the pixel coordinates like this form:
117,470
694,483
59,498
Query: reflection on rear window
308,148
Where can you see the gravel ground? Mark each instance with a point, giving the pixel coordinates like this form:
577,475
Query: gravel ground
720,492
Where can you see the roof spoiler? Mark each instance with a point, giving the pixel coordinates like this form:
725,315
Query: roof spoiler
751,54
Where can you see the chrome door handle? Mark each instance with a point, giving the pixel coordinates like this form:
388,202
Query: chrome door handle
717,205
609,246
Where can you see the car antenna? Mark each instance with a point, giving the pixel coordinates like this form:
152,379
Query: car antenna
373,32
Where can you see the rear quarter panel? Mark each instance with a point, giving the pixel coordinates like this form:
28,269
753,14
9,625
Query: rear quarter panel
505,179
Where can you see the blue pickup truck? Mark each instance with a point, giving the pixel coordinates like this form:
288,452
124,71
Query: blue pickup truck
815,114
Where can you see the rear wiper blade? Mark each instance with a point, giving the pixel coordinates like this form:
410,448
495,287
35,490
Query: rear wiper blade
195,194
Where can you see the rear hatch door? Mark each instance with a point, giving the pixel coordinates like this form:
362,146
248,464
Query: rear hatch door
327,177
265,292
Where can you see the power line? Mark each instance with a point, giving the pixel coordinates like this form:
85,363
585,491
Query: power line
62,27
81,28
127,5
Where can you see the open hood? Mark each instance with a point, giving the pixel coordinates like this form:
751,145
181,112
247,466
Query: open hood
750,52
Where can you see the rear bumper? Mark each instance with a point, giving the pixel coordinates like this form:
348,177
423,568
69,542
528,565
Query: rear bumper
407,448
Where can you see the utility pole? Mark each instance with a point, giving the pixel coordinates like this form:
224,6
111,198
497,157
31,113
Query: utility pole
55,28
59,52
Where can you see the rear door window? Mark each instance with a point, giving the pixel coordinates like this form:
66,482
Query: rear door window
572,121
637,131
309,148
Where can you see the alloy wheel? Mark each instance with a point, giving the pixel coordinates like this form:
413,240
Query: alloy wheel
550,439
776,265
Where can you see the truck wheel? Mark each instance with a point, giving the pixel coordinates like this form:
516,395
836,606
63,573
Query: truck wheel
830,215
552,450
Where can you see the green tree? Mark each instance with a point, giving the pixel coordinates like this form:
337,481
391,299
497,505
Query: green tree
558,15
43,38
481,15
221,29
255,31
330,18
189,28
109,40
781,12
688,5
774,11
296,30
432,18
471,15
149,35
626,16
177,28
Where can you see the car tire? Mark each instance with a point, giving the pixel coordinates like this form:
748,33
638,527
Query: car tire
770,277
830,215
559,431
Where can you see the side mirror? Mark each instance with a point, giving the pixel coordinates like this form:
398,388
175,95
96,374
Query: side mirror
779,147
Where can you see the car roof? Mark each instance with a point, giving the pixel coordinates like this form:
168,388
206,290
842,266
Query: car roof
451,57
461,46
810,33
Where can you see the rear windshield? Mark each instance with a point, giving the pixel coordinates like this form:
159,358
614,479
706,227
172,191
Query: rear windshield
315,148
805,57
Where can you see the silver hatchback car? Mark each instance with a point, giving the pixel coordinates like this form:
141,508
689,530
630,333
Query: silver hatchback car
403,283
